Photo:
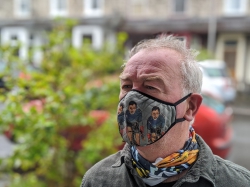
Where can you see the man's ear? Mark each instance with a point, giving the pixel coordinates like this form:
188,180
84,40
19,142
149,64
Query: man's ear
194,102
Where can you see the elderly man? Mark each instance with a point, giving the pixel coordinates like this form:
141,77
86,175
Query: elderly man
162,72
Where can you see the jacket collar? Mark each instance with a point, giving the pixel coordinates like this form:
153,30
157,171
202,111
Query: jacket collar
124,155
205,166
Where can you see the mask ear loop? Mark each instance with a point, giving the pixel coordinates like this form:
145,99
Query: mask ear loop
180,119
182,99
178,102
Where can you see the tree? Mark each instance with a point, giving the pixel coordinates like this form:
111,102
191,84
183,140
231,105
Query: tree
204,54
70,89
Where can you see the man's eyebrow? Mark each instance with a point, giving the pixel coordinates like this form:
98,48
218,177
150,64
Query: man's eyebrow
124,77
145,78
153,78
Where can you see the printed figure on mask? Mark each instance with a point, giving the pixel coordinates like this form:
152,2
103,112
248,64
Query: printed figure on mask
121,118
155,125
133,118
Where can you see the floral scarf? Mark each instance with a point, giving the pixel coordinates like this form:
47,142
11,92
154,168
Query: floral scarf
163,168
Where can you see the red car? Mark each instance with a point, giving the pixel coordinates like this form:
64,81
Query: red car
213,124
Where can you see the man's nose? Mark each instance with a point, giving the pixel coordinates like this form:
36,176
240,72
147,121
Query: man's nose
137,85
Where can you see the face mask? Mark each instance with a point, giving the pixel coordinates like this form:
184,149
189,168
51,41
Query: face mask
143,119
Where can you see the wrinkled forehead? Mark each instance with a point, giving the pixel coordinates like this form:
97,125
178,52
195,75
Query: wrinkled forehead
155,57
160,61
153,49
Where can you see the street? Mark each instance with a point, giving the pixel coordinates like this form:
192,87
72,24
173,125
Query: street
241,141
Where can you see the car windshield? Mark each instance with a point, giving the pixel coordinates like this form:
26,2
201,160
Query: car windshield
216,72
213,103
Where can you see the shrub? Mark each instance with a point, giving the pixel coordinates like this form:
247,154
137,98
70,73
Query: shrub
69,85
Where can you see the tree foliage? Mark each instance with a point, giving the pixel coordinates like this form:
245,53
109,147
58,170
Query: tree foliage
48,106
204,54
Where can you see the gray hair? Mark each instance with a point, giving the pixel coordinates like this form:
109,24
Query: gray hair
190,72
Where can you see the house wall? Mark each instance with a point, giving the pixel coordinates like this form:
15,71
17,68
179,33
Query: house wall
6,9
135,9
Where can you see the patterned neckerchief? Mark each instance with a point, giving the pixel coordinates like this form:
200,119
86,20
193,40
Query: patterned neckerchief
163,168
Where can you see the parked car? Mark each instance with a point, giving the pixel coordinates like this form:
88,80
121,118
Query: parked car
217,80
213,124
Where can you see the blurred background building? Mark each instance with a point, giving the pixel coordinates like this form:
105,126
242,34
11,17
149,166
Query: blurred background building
221,26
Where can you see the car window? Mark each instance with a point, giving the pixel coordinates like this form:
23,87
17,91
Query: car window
215,72
213,103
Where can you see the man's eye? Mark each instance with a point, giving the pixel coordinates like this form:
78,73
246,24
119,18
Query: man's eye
150,87
126,86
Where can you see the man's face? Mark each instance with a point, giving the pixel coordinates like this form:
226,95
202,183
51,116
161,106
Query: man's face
132,109
154,72
155,114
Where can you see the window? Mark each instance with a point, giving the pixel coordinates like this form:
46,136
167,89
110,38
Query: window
93,7
182,38
14,35
14,42
92,34
22,8
235,7
230,54
87,38
58,7
179,6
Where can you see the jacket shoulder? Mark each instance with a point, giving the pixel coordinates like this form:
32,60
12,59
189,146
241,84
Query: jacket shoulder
231,174
103,172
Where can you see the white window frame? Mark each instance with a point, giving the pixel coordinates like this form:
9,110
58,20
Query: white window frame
89,11
18,8
228,10
174,10
22,37
54,11
95,31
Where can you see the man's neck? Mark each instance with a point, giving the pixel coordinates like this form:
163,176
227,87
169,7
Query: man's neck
167,145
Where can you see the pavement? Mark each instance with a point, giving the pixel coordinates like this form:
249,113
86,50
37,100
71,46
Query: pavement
6,149
241,104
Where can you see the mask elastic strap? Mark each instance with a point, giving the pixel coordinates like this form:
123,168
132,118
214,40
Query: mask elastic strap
182,99
178,102
180,120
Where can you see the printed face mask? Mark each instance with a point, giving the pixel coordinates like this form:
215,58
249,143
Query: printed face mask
143,119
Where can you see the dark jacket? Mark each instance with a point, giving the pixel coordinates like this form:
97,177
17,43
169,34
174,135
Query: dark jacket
208,171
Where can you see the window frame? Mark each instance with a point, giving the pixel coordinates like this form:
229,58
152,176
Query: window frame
88,11
18,8
54,11
179,12
95,31
229,11
22,36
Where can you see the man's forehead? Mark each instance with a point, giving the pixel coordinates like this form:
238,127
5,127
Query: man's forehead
156,77
151,62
